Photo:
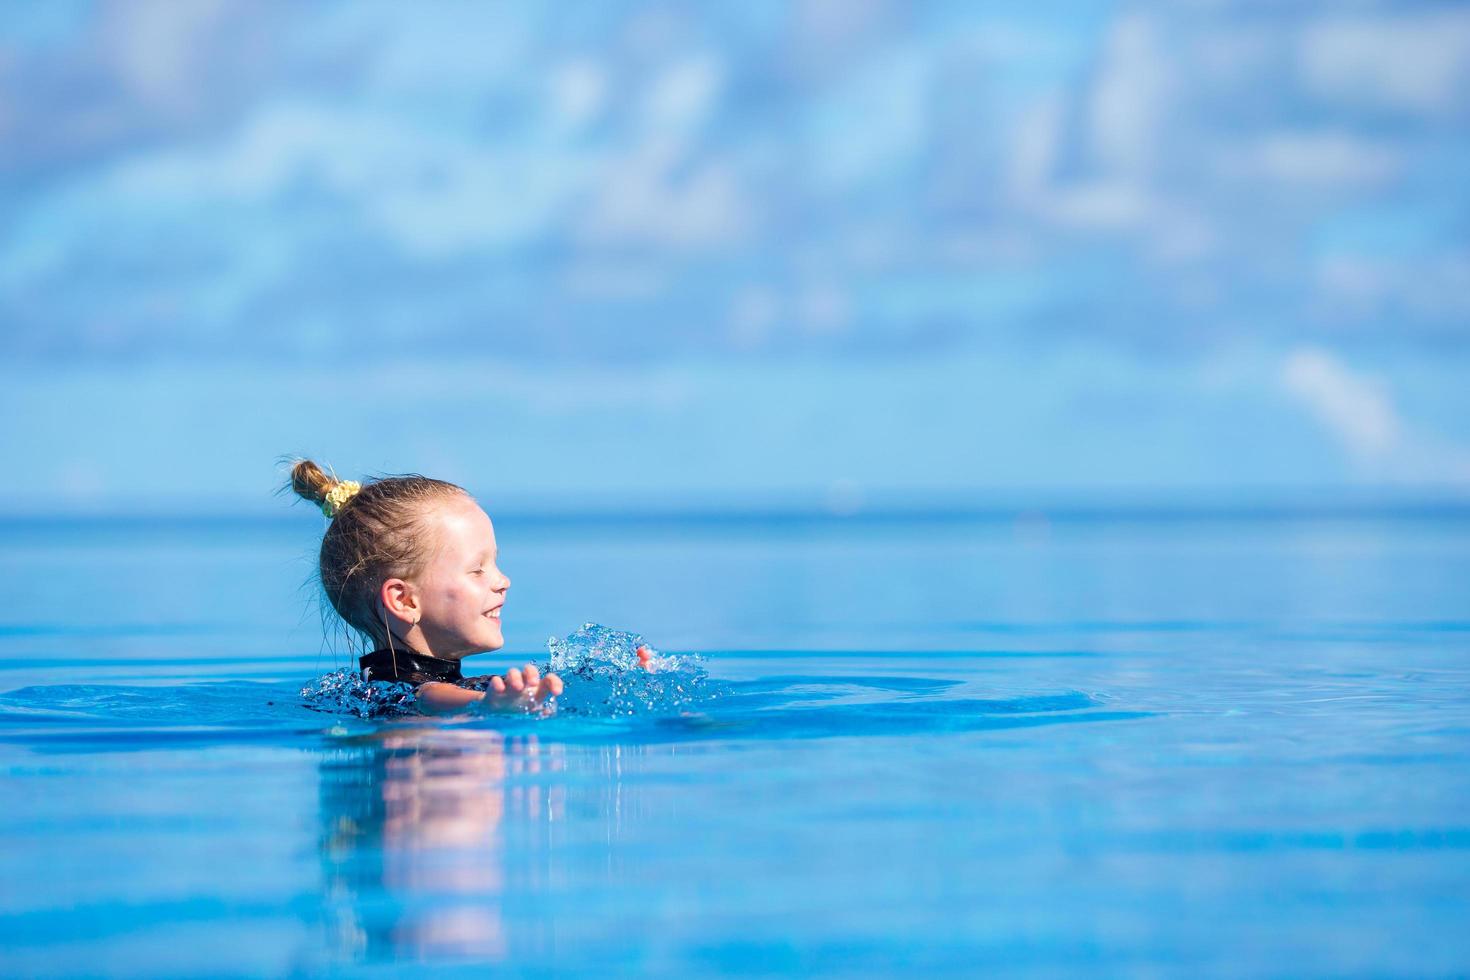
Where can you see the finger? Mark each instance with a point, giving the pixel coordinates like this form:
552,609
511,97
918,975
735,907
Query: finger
514,680
551,684
498,685
532,675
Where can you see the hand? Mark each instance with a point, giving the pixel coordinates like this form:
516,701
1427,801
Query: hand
521,689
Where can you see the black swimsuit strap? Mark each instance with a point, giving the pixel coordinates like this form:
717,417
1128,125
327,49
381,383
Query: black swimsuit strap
408,667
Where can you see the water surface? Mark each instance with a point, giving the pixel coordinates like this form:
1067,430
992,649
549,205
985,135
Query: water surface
1111,744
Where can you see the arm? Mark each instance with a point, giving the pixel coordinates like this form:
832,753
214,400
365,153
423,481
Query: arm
438,698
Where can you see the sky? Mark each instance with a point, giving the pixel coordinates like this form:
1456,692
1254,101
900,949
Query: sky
829,252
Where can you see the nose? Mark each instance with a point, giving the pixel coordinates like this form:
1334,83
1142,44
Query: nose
504,583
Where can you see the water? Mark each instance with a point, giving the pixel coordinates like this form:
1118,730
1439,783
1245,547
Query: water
1109,744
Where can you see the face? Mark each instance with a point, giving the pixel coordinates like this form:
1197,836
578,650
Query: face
461,590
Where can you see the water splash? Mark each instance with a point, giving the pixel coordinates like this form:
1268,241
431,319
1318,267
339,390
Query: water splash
604,673
606,677
345,692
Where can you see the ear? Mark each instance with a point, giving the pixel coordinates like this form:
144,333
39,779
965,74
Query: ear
401,601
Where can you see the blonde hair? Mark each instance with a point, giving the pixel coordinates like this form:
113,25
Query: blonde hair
377,533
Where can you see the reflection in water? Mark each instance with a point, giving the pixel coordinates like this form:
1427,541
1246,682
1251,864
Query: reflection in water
443,841
413,838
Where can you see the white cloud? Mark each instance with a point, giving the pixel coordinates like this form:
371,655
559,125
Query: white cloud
648,198
1435,287
1099,205
831,22
432,192
1034,146
1360,413
578,92
1355,408
1129,97
1319,160
1121,114
1413,62
1234,53
158,49
682,96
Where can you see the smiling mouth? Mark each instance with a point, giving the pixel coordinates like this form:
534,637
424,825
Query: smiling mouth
494,613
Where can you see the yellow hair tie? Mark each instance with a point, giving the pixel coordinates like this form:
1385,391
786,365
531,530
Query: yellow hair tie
338,496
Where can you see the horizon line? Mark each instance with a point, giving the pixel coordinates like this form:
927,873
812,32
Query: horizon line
1040,513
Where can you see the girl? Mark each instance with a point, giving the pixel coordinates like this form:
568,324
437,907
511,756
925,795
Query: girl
409,563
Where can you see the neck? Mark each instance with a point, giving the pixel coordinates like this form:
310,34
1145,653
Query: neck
413,640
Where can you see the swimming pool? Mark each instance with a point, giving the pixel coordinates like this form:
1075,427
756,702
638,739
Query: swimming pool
1103,743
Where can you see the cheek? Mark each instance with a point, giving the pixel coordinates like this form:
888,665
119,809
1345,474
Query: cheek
455,600
468,599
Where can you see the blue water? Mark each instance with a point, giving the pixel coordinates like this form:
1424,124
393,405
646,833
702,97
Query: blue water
1114,743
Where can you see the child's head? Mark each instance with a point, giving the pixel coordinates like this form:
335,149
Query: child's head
411,557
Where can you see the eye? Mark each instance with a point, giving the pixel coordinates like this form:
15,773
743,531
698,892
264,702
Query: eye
477,571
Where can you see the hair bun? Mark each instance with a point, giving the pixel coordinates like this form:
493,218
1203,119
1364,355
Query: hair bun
308,480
